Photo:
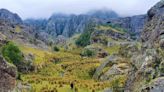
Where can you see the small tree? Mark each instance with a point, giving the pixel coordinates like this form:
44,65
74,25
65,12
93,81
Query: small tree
84,38
88,53
12,53
56,48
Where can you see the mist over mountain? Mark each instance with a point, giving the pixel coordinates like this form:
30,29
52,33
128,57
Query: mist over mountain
97,51
9,16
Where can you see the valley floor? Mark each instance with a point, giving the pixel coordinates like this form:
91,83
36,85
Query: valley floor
63,71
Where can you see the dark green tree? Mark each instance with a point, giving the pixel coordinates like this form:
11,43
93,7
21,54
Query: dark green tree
84,38
12,53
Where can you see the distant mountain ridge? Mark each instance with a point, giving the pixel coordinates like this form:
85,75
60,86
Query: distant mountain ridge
9,16
66,26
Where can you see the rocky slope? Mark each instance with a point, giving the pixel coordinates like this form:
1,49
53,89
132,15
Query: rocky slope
8,75
133,25
9,16
8,72
148,75
12,27
140,64
68,25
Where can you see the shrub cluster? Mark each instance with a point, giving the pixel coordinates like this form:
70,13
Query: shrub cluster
56,48
88,53
84,38
12,53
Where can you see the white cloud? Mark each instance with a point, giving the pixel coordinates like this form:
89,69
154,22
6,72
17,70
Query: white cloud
44,8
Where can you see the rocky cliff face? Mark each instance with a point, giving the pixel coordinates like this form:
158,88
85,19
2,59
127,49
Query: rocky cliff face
66,25
9,16
148,75
8,71
7,76
12,27
133,25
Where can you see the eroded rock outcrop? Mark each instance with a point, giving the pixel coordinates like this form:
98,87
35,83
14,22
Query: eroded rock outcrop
8,74
147,75
10,17
133,25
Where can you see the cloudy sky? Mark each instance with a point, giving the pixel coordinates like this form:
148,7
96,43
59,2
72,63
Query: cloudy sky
44,8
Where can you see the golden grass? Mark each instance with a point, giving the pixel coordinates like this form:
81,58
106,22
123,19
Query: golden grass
108,28
57,70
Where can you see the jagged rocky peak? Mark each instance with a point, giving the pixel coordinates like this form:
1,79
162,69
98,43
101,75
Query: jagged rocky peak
153,30
68,25
10,17
156,10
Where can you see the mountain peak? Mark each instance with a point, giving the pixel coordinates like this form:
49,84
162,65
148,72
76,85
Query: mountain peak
9,16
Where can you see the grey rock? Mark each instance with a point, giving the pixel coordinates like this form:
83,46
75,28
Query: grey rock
13,18
109,60
8,74
155,86
133,25
151,55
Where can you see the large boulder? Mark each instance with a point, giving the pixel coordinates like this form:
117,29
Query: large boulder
8,74
151,57
156,85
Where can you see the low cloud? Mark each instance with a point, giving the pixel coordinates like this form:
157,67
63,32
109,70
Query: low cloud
45,8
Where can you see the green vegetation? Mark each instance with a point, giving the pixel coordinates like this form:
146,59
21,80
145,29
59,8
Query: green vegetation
57,68
117,27
84,38
110,28
12,53
59,76
115,86
56,48
17,29
88,53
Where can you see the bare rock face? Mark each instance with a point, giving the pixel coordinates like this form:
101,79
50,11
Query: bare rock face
7,76
154,28
147,76
134,24
10,17
156,85
8,71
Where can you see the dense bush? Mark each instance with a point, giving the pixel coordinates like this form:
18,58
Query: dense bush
88,53
12,53
56,48
84,38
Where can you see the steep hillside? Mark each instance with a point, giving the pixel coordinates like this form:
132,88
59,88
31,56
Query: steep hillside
69,25
66,25
94,52
133,25
8,72
148,75
9,16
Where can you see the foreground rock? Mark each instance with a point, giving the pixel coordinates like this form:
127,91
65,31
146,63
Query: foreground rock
149,63
8,74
